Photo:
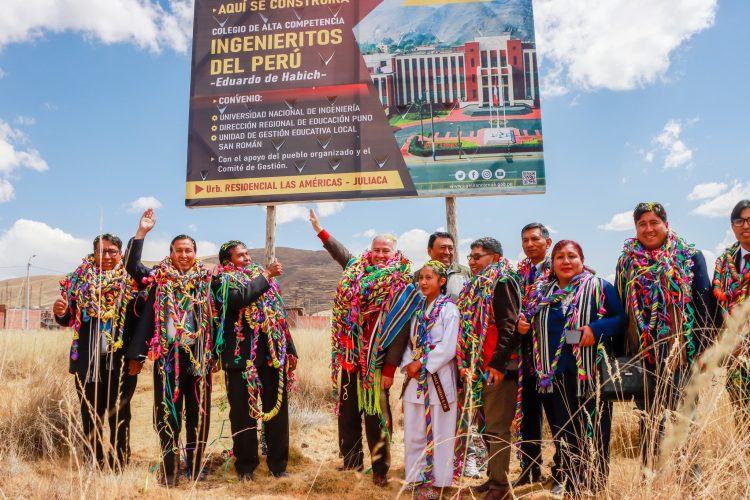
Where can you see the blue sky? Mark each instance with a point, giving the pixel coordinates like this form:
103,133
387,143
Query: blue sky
639,103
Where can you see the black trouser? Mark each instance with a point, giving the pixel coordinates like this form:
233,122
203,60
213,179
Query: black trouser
350,428
107,398
531,428
582,430
244,427
663,392
195,399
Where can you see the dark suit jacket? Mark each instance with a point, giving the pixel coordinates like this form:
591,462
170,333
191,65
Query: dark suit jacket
236,301
144,330
704,305
506,306
81,365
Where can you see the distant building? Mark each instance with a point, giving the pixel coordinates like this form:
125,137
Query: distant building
488,70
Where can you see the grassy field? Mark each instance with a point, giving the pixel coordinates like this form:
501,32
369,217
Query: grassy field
40,446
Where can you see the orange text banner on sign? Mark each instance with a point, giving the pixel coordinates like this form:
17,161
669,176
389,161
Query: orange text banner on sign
299,184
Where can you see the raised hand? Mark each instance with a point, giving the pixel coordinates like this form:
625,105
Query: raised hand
146,224
59,307
314,221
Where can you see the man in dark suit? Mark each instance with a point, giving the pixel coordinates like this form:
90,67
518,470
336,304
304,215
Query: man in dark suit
731,289
659,273
175,332
247,358
99,302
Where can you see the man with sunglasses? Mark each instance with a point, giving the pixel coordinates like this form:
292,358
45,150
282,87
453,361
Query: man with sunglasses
731,289
98,301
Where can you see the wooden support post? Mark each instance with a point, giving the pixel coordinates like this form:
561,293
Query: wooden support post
270,234
451,216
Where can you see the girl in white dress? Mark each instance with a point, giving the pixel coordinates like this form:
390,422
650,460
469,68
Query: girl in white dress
430,388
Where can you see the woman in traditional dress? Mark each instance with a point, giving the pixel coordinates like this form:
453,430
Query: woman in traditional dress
430,387
574,317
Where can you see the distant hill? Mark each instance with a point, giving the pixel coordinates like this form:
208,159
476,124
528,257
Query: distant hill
451,24
309,280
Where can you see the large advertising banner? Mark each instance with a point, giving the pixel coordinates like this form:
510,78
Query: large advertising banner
317,100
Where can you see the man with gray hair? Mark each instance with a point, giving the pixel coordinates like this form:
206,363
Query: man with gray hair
369,330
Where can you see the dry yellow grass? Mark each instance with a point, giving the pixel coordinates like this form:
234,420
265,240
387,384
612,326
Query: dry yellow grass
40,445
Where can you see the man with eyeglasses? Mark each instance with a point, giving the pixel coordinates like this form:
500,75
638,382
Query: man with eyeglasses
374,302
664,284
731,289
490,306
99,302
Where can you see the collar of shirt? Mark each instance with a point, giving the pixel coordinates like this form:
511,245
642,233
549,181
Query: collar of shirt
743,254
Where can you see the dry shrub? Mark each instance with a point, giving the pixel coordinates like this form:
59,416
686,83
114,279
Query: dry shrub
36,414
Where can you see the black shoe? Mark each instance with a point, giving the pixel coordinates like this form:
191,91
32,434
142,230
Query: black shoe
380,480
279,475
482,488
246,476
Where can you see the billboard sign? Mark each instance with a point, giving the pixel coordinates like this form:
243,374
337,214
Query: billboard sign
318,100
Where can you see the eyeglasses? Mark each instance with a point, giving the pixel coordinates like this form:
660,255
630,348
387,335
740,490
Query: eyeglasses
741,222
476,256
111,252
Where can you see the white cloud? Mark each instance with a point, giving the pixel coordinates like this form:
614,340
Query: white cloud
7,192
707,190
413,244
367,233
292,211
722,204
56,250
15,153
148,24
48,106
2,74
25,120
619,222
668,143
144,202
328,209
617,44
193,228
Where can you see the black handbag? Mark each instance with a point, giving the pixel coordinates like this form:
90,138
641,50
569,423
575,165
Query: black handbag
622,378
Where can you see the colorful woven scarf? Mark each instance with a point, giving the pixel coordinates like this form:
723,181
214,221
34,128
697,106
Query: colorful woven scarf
267,314
475,307
102,295
426,318
731,285
186,299
584,289
383,293
524,271
652,284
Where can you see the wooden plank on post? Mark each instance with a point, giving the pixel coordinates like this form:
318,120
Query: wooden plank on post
270,234
451,216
